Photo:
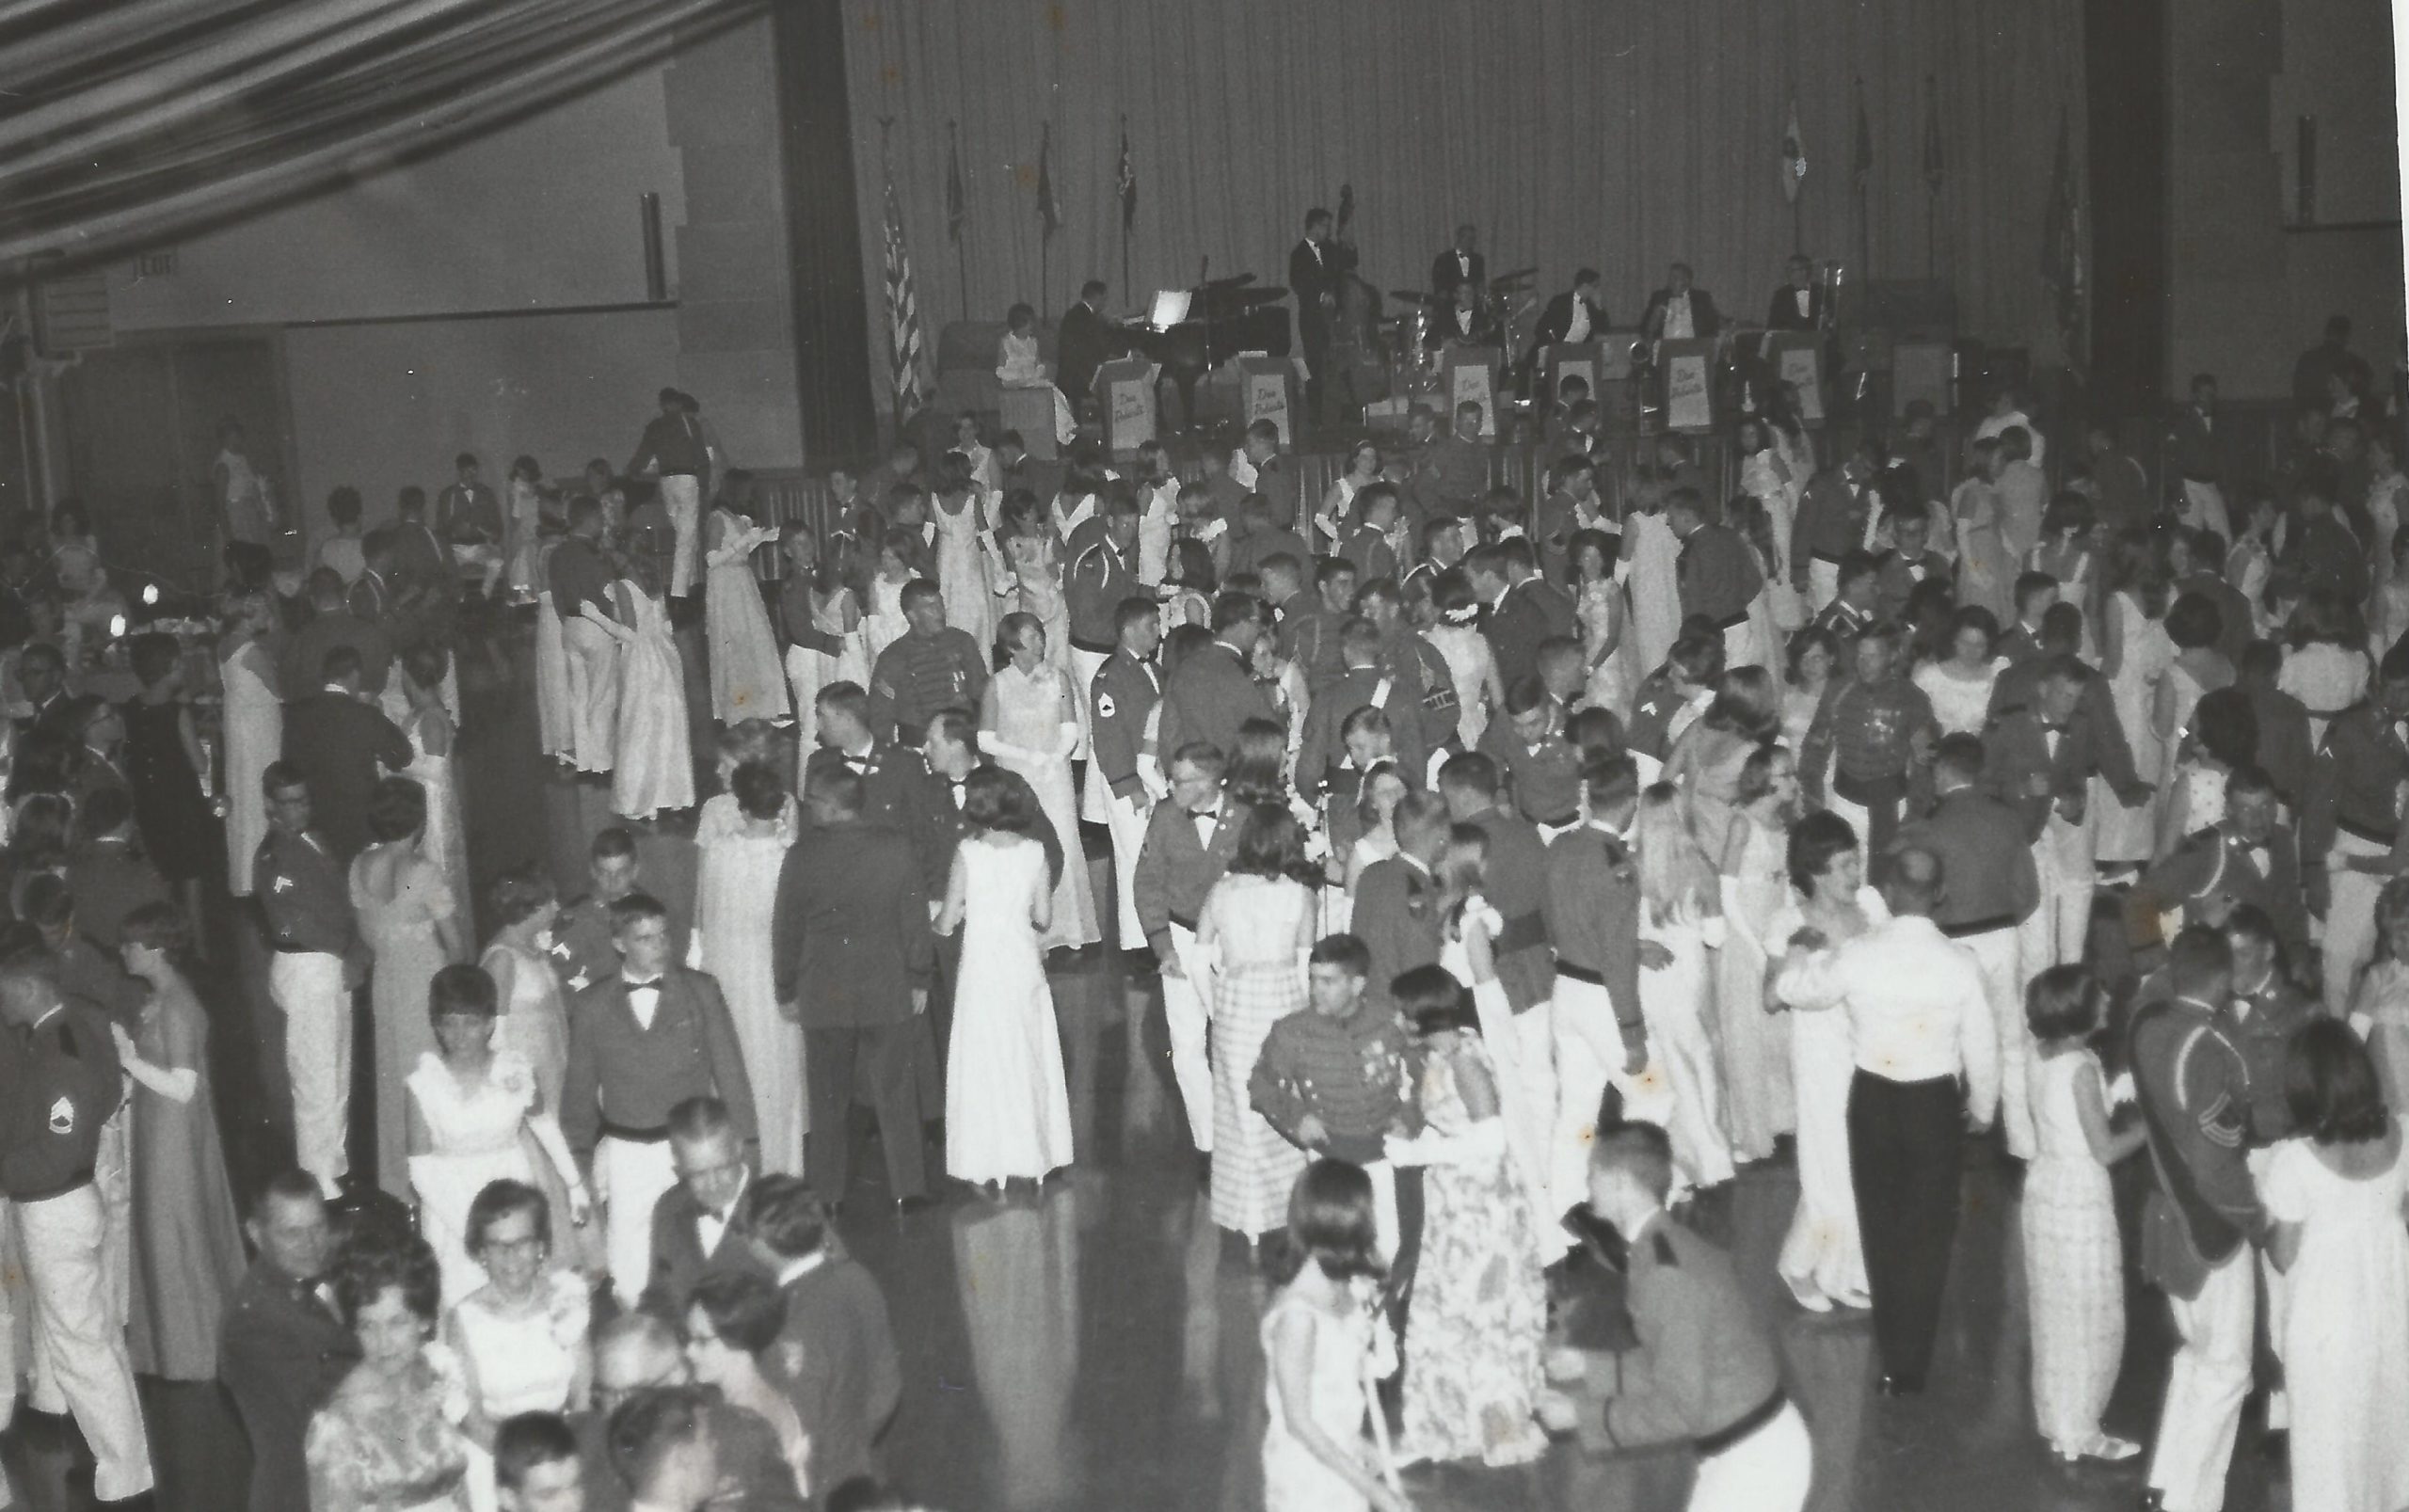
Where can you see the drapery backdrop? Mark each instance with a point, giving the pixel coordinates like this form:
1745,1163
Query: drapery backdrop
1619,134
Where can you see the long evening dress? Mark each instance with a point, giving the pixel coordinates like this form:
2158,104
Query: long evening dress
1673,1003
1007,1111
1758,1101
399,927
1348,1351
1472,1356
656,765
734,892
961,573
1259,979
2121,835
748,680
445,842
808,671
476,1134
187,1242
254,733
168,808
2073,1258
1823,1254
1031,709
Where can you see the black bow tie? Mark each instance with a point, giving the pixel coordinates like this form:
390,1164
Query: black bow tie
649,984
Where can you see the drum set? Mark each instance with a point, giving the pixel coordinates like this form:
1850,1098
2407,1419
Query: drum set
1505,307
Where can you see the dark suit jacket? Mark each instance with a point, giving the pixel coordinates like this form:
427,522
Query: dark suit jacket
280,1354
107,880
678,1258
2017,750
1085,342
1985,852
1174,871
953,829
691,1050
897,795
2211,870
1704,319
1446,274
1782,313
850,936
305,655
1516,886
842,1372
1557,318
344,747
753,1474
1532,611
1397,916
1207,698
1315,282
2284,750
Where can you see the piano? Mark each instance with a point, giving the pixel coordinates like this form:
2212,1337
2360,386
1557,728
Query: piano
1226,316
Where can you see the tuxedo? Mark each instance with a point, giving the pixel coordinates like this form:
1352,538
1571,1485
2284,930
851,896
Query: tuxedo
1704,319
850,940
1085,342
680,1259
1450,268
1465,327
343,747
1314,275
1555,321
1177,867
281,1354
1530,611
1784,313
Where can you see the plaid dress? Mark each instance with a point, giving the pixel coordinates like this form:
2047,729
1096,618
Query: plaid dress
2073,1259
1259,981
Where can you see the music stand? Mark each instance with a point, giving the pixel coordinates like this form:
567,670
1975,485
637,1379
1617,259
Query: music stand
1688,370
1796,359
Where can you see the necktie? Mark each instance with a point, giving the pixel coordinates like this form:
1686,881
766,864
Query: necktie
651,984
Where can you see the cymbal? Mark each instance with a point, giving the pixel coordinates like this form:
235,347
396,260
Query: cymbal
1518,276
1415,296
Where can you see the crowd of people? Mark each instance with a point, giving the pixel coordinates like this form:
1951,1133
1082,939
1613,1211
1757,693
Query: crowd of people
1515,870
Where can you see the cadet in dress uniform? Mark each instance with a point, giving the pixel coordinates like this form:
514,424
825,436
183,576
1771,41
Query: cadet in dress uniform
1592,914
2350,820
1190,841
317,962
60,1080
1707,1370
1122,698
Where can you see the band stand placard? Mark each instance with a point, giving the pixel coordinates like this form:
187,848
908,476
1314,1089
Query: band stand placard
1468,375
1126,386
1564,360
1265,393
1796,359
1688,366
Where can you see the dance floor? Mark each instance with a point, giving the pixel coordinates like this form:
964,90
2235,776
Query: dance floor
1096,1345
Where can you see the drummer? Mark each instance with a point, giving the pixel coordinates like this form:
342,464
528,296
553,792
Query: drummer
1464,323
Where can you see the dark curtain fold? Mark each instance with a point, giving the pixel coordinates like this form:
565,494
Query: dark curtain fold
825,268
140,122
1617,133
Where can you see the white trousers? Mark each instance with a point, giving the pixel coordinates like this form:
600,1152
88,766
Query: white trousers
80,1361
113,1178
1996,954
681,494
2059,928
631,1178
2205,1389
486,558
1822,584
593,693
308,990
1125,821
1766,1472
2350,920
1187,1013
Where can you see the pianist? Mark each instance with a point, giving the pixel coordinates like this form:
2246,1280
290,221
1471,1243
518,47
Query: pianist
1018,366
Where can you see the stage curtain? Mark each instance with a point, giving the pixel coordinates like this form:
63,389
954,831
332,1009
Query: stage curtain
1618,133
130,123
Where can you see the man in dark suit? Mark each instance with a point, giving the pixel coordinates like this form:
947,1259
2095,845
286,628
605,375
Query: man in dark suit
1798,303
1516,879
838,1351
641,1041
1465,322
1213,691
282,1347
895,781
1190,841
1571,316
1313,278
1397,899
697,1227
1085,342
333,624
342,745
1523,610
636,1354
1678,311
853,956
1459,265
41,672
107,877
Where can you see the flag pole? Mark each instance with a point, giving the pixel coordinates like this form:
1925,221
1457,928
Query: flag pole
961,257
1126,290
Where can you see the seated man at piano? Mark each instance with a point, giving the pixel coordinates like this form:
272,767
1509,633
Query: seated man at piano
1678,311
1019,366
1798,303
1464,323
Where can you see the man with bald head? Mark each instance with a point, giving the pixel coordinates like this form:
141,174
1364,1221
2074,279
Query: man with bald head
635,1353
1925,1054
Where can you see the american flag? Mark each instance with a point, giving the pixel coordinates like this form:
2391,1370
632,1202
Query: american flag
905,348
1049,210
1129,181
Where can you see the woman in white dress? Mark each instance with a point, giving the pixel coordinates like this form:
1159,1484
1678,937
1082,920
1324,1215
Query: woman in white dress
1383,787
655,770
555,715
521,958
1325,1342
1647,566
522,528
1959,688
1012,1120
2134,654
2339,1195
1480,690
2380,1007
2221,737
1814,655
433,734
823,623
1822,1257
2196,669
1766,477
743,836
1035,588
748,680
1753,1098
1605,647
254,732
1027,723
475,1110
1681,913
2327,667
883,621
521,1338
2064,553
1331,521
962,562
